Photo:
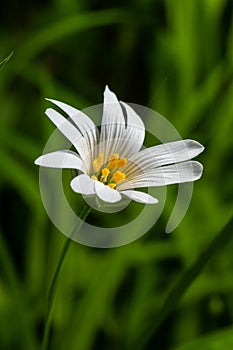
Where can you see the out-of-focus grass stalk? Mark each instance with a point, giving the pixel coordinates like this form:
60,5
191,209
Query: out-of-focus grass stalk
52,290
2,63
183,284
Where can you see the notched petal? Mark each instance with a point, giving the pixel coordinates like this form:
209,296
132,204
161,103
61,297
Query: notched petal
83,184
63,159
106,193
140,197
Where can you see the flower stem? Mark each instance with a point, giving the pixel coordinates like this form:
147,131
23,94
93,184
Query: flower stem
183,284
52,290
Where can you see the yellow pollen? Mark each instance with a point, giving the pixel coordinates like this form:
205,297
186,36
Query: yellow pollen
114,156
113,164
118,176
110,175
97,163
101,157
113,161
112,185
105,172
122,162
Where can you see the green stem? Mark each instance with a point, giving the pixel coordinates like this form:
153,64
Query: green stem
183,284
2,63
52,290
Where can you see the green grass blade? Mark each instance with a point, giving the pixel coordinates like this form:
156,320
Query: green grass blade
4,62
220,340
183,284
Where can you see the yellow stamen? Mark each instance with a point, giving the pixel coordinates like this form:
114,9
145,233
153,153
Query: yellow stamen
113,164
112,185
114,156
97,163
121,162
101,157
105,172
110,172
113,161
118,176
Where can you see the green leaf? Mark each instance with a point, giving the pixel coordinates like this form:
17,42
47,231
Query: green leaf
189,276
216,341
2,64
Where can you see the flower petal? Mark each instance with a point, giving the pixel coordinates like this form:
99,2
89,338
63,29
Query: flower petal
61,159
112,126
112,112
135,131
83,184
84,124
166,175
140,197
106,193
167,153
70,132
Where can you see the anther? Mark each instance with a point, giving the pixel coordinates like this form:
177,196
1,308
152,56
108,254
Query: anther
118,176
121,162
114,156
105,173
113,160
97,163
112,185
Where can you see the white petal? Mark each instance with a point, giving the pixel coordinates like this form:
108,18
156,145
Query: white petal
83,184
166,175
112,111
82,121
167,153
106,193
69,131
113,124
65,107
135,131
140,197
61,159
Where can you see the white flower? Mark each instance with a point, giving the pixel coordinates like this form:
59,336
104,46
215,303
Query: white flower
111,161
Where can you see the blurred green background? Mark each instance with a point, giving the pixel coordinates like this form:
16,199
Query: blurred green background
174,56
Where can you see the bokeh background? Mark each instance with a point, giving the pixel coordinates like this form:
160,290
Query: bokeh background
174,56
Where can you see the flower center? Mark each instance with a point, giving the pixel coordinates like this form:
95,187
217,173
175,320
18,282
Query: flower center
108,173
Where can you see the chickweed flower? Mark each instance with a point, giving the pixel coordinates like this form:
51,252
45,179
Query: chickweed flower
111,162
